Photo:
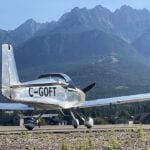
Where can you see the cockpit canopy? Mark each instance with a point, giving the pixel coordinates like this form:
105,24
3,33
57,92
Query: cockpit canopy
59,77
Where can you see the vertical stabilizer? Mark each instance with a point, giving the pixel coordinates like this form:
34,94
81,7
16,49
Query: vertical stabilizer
9,71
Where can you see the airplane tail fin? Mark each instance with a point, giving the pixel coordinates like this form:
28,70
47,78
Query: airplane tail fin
9,71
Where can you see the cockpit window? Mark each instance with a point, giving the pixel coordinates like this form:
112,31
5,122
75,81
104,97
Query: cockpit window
52,75
71,85
59,77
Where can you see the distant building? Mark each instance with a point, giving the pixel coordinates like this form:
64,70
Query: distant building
123,121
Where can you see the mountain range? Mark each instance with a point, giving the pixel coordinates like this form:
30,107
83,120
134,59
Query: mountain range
111,48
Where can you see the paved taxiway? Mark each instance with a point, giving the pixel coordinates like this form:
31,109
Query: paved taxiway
69,128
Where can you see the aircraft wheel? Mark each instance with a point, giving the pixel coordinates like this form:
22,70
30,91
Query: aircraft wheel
75,123
89,123
30,124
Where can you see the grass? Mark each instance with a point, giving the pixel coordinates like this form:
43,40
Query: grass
146,148
141,133
114,143
34,148
66,146
25,134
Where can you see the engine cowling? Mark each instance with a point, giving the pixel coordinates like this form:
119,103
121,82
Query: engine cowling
89,122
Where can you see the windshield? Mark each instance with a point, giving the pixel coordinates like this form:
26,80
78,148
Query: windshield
71,84
59,77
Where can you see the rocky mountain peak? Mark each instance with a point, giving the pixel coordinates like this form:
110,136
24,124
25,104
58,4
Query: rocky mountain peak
100,9
126,8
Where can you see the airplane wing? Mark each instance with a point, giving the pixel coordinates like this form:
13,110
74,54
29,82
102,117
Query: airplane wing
116,100
15,106
88,103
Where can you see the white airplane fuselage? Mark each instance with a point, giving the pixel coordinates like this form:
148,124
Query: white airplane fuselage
47,93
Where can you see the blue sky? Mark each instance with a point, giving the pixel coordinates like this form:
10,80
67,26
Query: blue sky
15,12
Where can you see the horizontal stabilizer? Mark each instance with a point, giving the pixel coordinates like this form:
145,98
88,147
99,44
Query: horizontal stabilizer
15,106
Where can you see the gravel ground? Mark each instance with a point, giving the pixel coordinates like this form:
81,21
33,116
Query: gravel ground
137,139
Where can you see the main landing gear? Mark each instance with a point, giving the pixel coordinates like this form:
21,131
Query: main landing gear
31,123
88,122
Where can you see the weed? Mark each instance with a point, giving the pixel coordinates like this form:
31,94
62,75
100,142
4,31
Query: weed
140,132
146,148
34,148
65,146
114,143
24,133
82,146
90,144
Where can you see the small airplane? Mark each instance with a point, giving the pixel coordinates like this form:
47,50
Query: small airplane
53,91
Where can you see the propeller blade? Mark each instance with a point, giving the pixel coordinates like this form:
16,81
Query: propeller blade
89,87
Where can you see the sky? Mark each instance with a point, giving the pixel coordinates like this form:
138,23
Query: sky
15,12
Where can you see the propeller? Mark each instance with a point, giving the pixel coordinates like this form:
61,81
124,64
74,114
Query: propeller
89,87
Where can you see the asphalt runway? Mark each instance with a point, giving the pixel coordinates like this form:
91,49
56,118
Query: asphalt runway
68,128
